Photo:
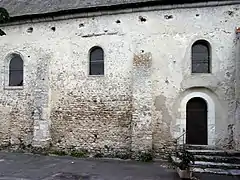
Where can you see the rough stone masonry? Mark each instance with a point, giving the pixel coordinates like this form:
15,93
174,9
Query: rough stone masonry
139,104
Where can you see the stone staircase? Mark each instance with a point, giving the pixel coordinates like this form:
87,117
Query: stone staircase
209,159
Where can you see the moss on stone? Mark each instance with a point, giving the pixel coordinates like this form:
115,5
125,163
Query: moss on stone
143,156
59,153
122,155
79,153
99,155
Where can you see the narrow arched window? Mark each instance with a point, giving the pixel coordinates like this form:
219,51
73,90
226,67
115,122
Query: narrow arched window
96,61
16,71
201,57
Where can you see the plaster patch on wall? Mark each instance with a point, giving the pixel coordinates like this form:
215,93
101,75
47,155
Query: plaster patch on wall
161,125
160,106
142,60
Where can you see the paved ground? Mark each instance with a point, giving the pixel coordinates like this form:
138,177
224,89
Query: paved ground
15,166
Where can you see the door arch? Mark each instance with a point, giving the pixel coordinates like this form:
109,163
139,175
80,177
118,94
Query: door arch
197,121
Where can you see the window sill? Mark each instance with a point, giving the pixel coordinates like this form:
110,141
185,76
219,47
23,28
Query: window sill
96,76
201,74
13,88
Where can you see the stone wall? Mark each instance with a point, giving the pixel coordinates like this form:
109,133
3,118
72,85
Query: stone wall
16,119
142,103
133,106
92,123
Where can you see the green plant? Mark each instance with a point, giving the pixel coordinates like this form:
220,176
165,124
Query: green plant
145,157
99,155
22,146
4,16
29,146
186,158
59,153
169,158
122,155
78,154
38,150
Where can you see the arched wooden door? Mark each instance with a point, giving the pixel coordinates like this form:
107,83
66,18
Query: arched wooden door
196,130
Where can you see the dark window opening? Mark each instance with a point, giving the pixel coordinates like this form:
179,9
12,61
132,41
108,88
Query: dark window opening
96,61
16,71
201,57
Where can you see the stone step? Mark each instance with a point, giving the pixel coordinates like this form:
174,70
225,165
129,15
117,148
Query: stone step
215,153
211,167
215,165
224,159
199,147
219,168
231,172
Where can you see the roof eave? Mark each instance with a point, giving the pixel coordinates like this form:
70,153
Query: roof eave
105,8
121,7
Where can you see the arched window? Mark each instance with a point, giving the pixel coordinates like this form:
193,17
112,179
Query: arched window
201,57
96,66
16,71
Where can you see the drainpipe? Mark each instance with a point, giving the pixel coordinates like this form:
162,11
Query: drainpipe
237,89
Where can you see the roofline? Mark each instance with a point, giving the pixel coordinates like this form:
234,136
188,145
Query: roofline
117,9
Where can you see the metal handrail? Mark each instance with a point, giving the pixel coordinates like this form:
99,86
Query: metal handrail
178,138
181,135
